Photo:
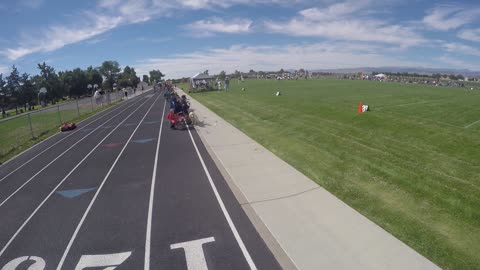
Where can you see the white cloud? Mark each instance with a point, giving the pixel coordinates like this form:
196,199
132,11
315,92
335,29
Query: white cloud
346,21
154,40
334,11
31,3
218,25
240,57
447,17
58,36
113,13
470,34
461,48
457,63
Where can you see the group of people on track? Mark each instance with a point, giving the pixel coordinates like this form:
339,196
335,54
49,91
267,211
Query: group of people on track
179,107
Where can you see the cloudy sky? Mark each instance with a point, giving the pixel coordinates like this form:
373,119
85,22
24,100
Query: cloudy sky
183,37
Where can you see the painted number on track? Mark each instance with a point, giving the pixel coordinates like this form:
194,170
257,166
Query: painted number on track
36,263
193,254
107,261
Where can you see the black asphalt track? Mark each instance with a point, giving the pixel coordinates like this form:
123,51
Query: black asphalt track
89,208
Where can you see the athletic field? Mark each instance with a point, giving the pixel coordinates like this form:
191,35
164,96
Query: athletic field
411,164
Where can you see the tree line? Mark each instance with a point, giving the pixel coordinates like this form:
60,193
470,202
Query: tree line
18,89
434,76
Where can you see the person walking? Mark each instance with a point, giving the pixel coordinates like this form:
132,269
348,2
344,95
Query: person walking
227,84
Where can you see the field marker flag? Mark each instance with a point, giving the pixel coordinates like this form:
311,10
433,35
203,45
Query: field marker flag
360,110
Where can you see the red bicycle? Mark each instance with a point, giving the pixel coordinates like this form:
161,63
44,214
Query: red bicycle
178,120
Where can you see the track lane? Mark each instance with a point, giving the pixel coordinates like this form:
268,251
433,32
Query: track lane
29,162
117,220
16,217
37,150
99,189
24,177
185,209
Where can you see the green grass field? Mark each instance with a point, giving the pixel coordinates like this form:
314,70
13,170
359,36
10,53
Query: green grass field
411,164
16,136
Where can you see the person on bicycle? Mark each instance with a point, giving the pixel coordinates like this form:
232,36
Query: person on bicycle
175,104
185,106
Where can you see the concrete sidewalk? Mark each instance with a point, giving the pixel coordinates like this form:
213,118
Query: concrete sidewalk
314,229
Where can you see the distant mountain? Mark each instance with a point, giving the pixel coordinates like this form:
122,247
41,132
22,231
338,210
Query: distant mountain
418,70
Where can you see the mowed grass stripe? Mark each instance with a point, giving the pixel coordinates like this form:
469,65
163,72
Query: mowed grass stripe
414,170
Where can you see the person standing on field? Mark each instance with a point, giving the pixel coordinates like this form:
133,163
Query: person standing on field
227,84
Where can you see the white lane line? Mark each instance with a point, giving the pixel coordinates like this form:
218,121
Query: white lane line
59,156
472,124
224,209
71,134
152,191
61,182
70,243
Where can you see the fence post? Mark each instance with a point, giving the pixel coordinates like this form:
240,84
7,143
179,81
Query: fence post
59,115
31,128
16,138
78,109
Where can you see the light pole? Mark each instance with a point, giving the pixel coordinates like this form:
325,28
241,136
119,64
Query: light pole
89,87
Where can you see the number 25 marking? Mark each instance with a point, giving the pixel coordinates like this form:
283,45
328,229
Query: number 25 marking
109,261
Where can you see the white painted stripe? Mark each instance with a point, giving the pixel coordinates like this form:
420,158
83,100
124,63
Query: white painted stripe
70,243
55,159
224,209
71,134
194,253
61,182
111,261
472,124
152,191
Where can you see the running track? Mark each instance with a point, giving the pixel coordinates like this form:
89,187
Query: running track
123,191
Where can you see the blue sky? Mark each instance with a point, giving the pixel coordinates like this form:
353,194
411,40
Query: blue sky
183,37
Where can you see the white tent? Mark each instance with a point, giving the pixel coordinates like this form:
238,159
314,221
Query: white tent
200,81
380,76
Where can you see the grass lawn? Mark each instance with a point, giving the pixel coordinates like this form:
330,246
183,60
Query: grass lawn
411,164
16,136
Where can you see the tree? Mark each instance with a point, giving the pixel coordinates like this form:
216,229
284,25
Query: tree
27,93
128,78
156,76
78,82
452,77
13,81
13,86
65,78
3,92
93,76
110,71
460,77
145,78
51,82
222,75
205,72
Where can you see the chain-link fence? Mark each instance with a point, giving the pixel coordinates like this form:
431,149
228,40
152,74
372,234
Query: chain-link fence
17,131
